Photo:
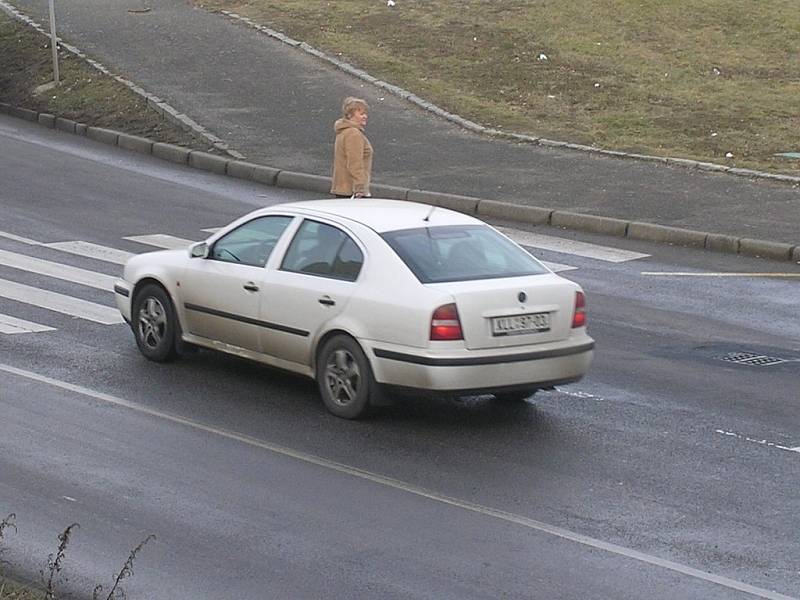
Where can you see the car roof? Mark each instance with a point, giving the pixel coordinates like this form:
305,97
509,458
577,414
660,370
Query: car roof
379,215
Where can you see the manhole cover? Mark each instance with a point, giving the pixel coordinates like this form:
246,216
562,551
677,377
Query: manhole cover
753,359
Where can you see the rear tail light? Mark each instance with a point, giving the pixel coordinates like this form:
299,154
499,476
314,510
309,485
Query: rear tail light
579,316
445,324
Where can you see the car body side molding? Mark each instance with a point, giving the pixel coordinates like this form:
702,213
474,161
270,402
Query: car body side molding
240,318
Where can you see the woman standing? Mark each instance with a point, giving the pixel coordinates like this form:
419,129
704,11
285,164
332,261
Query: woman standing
352,152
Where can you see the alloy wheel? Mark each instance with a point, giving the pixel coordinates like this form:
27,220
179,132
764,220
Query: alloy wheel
152,323
342,377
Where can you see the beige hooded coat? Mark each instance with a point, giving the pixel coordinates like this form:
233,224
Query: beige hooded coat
352,160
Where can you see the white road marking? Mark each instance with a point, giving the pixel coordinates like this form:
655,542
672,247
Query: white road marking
10,325
57,270
17,238
67,305
760,442
546,242
699,274
557,267
90,250
409,488
160,240
87,249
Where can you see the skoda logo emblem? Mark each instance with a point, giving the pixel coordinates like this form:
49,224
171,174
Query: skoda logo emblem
522,296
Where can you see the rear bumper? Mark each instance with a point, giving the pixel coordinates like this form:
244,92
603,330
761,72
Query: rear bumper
483,371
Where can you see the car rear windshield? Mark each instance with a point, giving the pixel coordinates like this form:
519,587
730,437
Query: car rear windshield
460,253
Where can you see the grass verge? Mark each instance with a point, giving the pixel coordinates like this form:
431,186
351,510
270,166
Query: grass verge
85,95
10,590
685,78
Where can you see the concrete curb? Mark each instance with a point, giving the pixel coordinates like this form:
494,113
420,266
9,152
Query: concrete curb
515,137
529,215
303,181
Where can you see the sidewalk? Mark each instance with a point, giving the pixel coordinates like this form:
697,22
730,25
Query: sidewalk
276,105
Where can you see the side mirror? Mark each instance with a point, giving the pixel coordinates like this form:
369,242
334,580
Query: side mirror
198,250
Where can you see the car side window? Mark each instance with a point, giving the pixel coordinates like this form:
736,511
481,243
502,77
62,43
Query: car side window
250,243
321,249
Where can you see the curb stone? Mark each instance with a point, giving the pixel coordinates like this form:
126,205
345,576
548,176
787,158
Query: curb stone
477,128
101,134
47,120
303,181
135,143
464,204
533,215
66,125
666,234
530,215
208,162
263,174
766,249
171,152
717,242
603,225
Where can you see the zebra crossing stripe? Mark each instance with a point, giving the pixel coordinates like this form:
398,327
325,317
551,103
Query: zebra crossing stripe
18,238
555,244
9,324
557,267
90,250
61,303
159,240
57,270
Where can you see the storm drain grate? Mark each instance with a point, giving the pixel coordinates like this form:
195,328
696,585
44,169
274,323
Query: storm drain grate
753,359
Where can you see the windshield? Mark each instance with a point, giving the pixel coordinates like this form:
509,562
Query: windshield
460,253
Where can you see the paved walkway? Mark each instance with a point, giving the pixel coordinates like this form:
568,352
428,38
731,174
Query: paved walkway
276,105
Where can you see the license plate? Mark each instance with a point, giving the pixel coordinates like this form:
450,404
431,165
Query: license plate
518,324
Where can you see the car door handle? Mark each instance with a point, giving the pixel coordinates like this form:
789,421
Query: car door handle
250,286
327,301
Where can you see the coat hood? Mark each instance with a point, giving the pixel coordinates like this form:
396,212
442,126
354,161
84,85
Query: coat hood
342,124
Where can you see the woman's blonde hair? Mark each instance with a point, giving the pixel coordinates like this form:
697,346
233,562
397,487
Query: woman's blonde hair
350,105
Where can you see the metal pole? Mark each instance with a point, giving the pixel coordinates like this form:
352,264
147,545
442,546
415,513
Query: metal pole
54,40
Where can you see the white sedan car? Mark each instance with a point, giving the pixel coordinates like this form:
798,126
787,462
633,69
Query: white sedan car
365,296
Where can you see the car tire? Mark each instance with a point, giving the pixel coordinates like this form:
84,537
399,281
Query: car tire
344,377
154,324
512,397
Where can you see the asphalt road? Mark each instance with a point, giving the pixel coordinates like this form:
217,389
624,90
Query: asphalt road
666,473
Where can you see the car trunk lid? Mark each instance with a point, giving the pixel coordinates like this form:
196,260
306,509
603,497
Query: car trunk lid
515,311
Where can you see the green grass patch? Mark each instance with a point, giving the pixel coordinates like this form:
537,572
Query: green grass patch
84,95
685,78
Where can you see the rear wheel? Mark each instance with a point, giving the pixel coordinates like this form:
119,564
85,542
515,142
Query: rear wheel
154,323
344,377
510,397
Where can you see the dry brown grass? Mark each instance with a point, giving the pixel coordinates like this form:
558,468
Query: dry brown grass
10,590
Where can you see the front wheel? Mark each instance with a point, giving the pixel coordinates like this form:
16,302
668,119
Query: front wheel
154,323
344,377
